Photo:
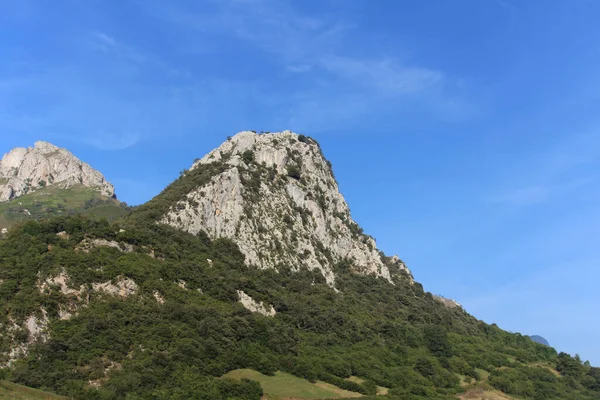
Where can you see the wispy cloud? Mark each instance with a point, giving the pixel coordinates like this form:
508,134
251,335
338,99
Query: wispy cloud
561,169
320,48
135,91
303,43
105,42
136,57
113,141
506,5
537,194
386,76
299,68
273,26
534,194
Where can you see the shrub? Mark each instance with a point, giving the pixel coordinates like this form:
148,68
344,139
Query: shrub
293,171
248,156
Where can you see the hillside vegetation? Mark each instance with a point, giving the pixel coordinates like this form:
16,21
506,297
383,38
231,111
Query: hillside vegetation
183,327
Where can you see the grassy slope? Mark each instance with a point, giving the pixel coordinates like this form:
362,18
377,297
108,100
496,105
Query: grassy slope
53,201
13,391
288,386
481,390
284,386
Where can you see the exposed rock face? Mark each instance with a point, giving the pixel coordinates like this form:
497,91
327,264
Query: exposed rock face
80,297
255,306
25,170
36,327
277,198
123,287
87,244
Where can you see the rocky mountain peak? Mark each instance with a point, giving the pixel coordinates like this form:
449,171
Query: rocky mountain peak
25,170
45,147
275,195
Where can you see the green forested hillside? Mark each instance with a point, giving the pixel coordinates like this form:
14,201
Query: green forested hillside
183,328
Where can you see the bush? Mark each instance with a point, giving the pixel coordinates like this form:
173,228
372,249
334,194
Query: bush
248,156
293,171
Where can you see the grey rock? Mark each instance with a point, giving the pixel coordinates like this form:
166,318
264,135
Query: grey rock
25,170
276,219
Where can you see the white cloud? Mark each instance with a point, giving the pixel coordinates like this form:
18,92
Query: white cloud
110,45
525,196
105,40
321,49
113,141
385,76
299,68
305,44
537,194
564,168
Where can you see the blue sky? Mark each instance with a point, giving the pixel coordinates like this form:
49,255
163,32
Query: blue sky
464,134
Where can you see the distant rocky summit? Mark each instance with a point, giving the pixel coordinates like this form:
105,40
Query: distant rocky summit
540,340
275,195
25,170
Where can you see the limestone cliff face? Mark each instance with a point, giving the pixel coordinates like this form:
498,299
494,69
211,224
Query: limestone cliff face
25,170
277,198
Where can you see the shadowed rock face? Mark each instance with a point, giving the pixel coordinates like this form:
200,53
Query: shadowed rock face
25,170
277,198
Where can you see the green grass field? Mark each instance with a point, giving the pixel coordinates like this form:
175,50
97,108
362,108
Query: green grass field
12,391
286,386
53,201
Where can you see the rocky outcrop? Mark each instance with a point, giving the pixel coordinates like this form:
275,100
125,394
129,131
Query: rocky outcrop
277,198
25,170
36,328
78,297
255,306
122,287
87,244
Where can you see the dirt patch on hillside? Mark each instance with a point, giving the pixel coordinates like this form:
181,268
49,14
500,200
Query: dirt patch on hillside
484,394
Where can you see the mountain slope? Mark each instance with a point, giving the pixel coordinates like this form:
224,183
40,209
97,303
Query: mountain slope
46,181
144,310
276,197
